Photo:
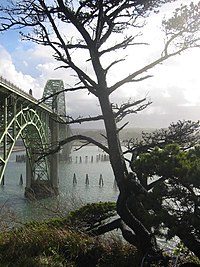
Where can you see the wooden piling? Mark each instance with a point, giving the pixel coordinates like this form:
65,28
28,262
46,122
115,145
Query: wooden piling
87,180
101,183
74,179
21,180
20,158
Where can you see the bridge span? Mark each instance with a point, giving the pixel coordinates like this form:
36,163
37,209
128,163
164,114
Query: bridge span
38,125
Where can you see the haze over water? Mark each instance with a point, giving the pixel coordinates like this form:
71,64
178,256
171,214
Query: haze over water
12,193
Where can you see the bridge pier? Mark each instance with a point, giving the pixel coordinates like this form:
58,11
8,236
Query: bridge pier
29,176
38,186
54,158
35,186
64,132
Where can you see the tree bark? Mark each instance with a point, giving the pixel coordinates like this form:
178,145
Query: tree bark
140,235
188,239
116,155
144,239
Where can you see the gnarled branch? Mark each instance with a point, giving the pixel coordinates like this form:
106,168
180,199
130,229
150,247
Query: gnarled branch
71,139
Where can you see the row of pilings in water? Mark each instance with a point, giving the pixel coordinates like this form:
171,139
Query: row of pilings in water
87,181
20,158
77,159
89,159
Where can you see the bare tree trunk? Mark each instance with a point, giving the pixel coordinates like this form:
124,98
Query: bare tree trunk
143,237
115,150
117,161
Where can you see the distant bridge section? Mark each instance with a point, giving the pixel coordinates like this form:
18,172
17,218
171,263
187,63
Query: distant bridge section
55,89
54,98
38,126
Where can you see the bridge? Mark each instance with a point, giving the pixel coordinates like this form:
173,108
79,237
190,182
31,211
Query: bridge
38,125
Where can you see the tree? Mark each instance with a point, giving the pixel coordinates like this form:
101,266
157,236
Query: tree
174,196
184,133
95,23
168,167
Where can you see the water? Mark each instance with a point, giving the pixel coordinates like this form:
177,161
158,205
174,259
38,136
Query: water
12,194
14,207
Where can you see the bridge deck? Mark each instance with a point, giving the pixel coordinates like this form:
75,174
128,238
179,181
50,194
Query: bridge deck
8,87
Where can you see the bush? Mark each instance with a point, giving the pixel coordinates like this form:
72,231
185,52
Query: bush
56,243
92,215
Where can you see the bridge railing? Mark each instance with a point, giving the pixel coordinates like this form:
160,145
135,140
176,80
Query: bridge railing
14,87
22,93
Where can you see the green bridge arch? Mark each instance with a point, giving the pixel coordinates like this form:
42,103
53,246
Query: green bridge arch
38,125
33,127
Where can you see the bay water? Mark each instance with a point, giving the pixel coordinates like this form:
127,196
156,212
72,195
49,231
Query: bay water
86,167
89,162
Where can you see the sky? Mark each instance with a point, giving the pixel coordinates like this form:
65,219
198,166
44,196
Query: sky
174,88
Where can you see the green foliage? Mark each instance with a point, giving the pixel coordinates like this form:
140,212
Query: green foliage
173,175
172,163
56,243
185,255
93,215
118,254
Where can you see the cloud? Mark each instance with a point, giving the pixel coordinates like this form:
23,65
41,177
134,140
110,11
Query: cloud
174,89
38,60
9,72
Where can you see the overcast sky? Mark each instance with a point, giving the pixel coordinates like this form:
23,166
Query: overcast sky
174,88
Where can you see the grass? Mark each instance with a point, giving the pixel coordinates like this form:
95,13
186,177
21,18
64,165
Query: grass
63,242
56,243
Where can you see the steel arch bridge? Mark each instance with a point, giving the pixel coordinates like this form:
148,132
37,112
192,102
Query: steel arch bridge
38,126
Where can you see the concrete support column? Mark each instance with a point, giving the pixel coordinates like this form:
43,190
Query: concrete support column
28,173
63,134
14,115
5,128
54,158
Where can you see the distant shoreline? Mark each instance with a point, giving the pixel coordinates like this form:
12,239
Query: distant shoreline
18,149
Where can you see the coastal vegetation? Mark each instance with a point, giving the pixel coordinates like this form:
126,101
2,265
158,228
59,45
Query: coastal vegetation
70,242
64,242
167,164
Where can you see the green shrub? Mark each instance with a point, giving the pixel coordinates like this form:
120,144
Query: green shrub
92,215
55,243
